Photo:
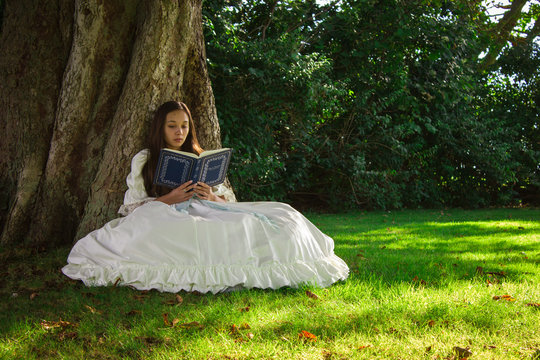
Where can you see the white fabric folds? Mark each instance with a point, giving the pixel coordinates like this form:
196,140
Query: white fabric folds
207,247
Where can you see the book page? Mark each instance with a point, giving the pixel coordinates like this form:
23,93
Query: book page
203,154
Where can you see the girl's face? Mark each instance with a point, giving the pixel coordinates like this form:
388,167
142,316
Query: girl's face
176,129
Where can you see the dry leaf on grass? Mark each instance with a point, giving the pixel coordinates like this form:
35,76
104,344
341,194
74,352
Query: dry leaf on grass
166,319
33,295
305,335
504,297
431,323
47,325
312,295
244,309
536,305
191,325
140,297
463,353
93,310
361,347
245,326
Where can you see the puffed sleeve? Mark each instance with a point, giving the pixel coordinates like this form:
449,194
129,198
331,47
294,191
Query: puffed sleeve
225,192
136,194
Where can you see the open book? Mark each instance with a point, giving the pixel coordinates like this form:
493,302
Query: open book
177,167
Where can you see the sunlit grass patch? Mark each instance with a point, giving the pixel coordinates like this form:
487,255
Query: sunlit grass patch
421,283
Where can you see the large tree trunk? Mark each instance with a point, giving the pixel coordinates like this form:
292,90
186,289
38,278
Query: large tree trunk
126,58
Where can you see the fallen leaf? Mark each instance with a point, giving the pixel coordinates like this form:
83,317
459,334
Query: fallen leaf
533,304
67,335
463,353
363,347
245,309
47,325
428,349
250,335
179,299
431,323
245,326
175,321
191,325
305,335
312,295
504,297
33,296
166,319
141,297
234,329
93,310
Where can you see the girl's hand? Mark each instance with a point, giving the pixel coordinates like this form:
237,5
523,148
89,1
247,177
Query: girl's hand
178,195
204,192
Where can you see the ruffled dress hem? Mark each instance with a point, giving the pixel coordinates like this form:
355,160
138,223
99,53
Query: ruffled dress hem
214,279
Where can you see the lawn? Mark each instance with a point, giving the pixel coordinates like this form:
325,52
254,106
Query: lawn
424,284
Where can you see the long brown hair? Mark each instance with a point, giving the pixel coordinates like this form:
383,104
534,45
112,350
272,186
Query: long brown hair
156,141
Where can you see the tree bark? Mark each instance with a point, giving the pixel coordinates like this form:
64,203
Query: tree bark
34,43
126,58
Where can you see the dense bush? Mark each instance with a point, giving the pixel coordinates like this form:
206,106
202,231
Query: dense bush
369,104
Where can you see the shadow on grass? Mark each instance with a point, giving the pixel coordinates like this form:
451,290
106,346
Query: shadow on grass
383,251
432,249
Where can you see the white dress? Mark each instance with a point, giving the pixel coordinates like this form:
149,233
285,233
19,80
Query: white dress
204,246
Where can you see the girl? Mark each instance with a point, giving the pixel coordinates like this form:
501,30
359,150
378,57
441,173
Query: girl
200,240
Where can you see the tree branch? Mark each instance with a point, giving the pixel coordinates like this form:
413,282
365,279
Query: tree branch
502,32
269,20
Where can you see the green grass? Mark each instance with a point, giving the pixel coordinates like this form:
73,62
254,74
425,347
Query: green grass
421,283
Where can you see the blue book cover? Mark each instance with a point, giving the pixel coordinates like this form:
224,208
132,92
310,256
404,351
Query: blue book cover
177,167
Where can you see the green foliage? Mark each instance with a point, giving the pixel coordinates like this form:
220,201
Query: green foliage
368,104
